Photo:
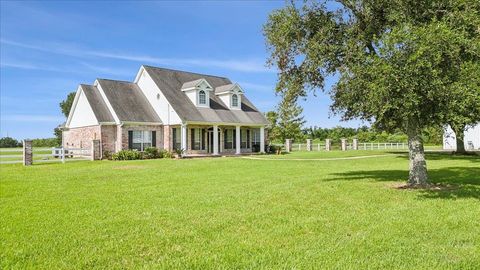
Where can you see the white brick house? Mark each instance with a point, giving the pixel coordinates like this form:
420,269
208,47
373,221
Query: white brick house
167,109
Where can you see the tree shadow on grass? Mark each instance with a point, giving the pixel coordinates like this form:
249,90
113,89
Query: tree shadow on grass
472,156
451,182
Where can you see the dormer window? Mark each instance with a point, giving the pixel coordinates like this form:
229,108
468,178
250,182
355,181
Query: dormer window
231,95
198,92
202,97
234,100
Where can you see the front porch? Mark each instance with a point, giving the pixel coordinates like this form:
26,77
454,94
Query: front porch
199,140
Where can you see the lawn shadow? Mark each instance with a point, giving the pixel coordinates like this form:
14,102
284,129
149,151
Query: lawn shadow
472,156
458,182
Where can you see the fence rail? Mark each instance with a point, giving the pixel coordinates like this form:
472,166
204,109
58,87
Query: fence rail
382,146
41,155
348,145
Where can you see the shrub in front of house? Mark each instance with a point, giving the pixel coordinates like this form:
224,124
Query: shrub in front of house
107,155
127,155
274,149
166,154
152,153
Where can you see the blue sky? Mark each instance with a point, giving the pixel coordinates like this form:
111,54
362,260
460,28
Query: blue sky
49,47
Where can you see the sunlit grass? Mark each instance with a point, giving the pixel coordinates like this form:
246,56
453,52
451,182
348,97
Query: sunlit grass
240,213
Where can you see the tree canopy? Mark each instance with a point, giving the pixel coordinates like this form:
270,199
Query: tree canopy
65,107
399,63
67,103
286,122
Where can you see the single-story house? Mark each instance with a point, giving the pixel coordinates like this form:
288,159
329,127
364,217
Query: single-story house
167,109
471,138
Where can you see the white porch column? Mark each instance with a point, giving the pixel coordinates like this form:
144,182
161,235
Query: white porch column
262,139
184,137
237,140
215,140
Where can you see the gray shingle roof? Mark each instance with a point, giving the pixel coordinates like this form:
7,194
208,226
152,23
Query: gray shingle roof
128,101
224,88
191,84
170,83
99,106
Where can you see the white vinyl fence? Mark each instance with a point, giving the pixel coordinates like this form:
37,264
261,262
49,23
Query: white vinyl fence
382,146
41,155
303,147
349,146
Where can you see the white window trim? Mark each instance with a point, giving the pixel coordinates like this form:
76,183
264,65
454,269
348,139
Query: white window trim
233,105
199,99
207,98
142,143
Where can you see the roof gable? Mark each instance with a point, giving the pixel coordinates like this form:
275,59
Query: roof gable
128,102
197,84
93,104
170,82
229,89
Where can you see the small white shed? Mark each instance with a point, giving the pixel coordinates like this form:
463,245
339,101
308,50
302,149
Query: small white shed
471,138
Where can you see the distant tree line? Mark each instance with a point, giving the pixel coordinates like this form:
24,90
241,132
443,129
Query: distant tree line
432,136
8,142
287,123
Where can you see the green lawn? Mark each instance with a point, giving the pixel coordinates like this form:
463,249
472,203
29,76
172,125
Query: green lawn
241,213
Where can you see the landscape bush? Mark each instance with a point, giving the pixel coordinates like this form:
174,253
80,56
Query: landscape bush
166,154
107,155
127,155
274,149
152,153
178,153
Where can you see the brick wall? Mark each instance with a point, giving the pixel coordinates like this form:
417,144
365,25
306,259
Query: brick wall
81,137
126,128
109,137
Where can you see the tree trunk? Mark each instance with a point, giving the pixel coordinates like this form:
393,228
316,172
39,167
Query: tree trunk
459,135
418,166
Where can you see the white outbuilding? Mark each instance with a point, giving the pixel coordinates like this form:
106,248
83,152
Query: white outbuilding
471,138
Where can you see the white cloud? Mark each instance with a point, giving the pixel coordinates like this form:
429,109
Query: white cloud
91,68
23,65
244,65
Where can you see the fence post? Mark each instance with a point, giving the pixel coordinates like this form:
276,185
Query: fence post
328,145
27,153
355,144
62,153
288,145
96,150
344,144
309,144
318,146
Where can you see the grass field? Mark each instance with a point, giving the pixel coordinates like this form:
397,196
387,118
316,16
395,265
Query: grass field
241,213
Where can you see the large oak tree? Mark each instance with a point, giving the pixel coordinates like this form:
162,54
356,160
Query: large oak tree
398,62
